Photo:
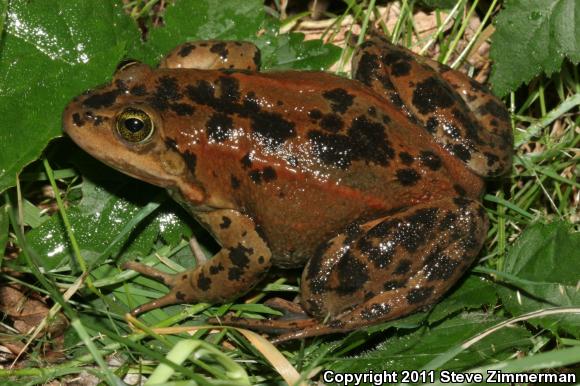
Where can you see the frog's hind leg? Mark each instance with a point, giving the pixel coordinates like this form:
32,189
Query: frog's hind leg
233,271
214,55
462,116
392,266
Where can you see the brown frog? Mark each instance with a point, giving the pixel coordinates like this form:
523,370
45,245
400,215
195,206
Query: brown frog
372,183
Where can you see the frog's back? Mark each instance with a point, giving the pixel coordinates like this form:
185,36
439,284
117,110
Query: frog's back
308,153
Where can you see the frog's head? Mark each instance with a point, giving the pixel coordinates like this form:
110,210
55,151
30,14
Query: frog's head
118,124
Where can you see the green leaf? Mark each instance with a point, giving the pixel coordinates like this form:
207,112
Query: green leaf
545,258
473,293
533,36
416,349
188,20
51,52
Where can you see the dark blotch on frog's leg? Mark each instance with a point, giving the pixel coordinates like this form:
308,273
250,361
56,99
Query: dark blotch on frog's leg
430,159
340,100
367,67
77,120
215,269
182,109
246,161
203,282
219,127
138,90
317,282
186,49
448,221
394,284
220,48
375,311
461,151
372,111
491,158
239,256
495,109
439,266
352,274
469,126
381,257
332,123
235,183
398,62
419,295
226,222
403,267
408,176
98,101
180,296
432,94
406,158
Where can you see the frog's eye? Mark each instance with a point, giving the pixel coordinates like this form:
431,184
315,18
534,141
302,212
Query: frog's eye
134,125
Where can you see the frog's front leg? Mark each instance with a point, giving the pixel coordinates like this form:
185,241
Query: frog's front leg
233,271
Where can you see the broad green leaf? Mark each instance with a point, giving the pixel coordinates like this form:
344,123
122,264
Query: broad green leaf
188,20
545,258
414,350
472,293
533,36
52,51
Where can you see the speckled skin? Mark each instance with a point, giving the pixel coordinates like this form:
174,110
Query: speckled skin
373,183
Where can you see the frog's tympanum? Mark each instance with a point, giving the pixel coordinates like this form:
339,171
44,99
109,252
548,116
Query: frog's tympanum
373,184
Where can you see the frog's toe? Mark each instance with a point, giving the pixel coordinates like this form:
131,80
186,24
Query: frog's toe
290,310
270,326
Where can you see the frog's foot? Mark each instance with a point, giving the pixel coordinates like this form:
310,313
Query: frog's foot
233,271
286,329
269,326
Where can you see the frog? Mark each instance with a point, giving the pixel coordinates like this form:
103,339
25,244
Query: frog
371,184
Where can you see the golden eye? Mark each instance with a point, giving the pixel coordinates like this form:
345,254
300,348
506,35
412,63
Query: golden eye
134,125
